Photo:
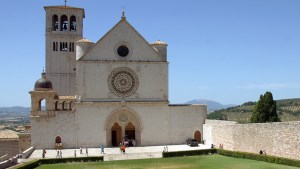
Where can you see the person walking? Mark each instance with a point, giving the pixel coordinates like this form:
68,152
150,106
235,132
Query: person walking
74,153
80,150
87,152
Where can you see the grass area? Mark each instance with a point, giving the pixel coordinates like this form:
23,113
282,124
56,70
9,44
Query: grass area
191,162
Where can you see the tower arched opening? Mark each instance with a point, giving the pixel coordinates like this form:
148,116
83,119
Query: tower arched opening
42,105
54,22
73,23
64,23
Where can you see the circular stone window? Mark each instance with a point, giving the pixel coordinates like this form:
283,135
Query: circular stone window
123,82
123,51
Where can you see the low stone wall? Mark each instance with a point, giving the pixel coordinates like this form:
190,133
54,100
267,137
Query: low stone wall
279,139
8,163
27,152
3,158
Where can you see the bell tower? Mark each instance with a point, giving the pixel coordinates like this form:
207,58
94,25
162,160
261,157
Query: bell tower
64,26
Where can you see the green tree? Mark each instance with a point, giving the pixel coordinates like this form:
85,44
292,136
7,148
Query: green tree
265,110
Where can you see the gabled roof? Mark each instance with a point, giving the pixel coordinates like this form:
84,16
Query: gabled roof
123,31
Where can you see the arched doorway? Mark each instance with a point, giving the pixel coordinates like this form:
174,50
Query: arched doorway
58,143
116,134
197,135
130,131
57,140
123,123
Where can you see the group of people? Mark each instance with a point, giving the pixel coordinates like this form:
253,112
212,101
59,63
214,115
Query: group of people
262,152
166,149
58,153
128,142
123,145
221,146
80,151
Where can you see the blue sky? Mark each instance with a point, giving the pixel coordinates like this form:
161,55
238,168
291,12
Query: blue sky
228,51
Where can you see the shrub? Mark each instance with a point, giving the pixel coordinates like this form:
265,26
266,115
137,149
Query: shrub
36,163
189,153
259,157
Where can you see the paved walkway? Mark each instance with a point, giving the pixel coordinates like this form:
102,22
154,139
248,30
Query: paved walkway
115,154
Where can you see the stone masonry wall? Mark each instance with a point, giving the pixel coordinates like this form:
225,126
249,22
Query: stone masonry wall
278,139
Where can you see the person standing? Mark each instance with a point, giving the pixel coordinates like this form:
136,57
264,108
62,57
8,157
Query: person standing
87,152
57,153
133,142
80,150
102,149
44,153
74,153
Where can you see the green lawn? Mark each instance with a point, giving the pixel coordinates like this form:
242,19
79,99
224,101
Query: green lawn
191,162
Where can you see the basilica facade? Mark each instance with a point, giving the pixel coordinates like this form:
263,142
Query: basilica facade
104,92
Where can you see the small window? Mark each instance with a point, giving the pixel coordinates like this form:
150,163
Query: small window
73,47
64,23
123,51
60,46
73,23
54,22
65,46
54,46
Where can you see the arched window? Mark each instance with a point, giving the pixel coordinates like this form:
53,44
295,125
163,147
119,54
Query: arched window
64,23
42,105
54,22
56,105
73,23
71,105
64,105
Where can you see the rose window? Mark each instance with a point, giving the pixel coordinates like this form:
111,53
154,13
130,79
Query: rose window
123,82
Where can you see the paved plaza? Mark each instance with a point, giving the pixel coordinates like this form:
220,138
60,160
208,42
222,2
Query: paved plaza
115,154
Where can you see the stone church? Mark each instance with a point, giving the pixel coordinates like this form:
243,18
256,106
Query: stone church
104,92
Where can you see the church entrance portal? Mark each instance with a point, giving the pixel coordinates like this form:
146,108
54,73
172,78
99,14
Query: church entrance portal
122,124
116,134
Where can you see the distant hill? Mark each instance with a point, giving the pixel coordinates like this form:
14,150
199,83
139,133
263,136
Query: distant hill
287,109
211,105
15,109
